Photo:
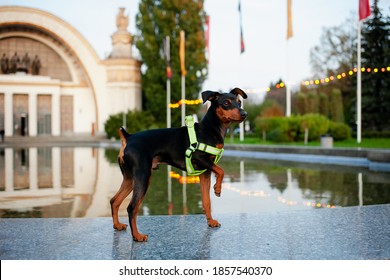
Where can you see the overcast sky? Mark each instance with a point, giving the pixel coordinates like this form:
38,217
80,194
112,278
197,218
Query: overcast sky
264,27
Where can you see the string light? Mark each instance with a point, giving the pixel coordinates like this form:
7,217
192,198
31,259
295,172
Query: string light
336,76
283,200
305,83
246,193
183,179
280,199
256,193
344,75
186,102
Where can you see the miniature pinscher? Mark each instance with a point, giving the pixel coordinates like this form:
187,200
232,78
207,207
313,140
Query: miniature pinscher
143,151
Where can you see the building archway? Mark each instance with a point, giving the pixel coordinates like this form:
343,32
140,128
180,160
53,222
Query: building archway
70,84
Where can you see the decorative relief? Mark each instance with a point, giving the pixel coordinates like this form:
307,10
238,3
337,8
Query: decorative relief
123,75
19,54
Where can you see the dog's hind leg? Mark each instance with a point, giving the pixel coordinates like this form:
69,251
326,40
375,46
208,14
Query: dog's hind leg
141,185
127,183
125,189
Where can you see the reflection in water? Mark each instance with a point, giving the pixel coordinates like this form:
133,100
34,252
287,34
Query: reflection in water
79,182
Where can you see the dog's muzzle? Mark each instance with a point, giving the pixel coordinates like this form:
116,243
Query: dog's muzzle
243,115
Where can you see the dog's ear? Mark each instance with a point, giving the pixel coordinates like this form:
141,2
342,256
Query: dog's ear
238,91
209,95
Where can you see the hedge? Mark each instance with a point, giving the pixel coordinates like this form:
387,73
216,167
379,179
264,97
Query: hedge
339,131
135,121
292,129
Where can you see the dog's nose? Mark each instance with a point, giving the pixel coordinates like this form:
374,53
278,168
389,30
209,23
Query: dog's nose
243,114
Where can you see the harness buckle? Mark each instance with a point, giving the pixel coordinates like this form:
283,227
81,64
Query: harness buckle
190,151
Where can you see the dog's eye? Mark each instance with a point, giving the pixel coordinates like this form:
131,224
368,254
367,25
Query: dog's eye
226,103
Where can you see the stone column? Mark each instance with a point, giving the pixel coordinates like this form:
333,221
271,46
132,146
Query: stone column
9,170
33,168
33,114
56,115
56,168
9,114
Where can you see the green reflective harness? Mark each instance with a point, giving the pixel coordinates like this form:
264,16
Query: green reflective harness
195,145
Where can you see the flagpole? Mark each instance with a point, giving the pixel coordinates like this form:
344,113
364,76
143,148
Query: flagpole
168,103
359,88
168,54
289,35
242,49
169,74
183,98
183,77
364,12
288,89
242,127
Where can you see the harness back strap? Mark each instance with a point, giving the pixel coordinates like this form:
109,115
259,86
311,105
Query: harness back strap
195,145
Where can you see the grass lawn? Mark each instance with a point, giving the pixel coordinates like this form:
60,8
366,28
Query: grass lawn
379,143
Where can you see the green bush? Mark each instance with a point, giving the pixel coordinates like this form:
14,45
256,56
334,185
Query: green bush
317,125
339,131
292,129
135,121
294,123
278,129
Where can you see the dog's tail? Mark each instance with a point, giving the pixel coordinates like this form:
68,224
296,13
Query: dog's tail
123,134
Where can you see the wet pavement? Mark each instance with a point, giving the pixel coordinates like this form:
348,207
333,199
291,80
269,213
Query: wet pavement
352,233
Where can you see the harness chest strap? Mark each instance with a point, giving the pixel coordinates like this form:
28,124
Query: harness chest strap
195,145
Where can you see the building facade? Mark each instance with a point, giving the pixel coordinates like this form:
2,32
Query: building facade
52,82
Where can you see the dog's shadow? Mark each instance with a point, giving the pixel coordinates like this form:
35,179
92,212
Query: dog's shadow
177,237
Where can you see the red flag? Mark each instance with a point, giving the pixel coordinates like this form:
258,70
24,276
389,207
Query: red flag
364,9
168,56
208,38
242,45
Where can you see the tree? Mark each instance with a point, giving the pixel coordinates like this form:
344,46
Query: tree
155,20
336,106
301,103
336,52
323,104
376,86
312,102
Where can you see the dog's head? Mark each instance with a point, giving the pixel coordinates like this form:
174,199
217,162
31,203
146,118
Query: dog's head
227,105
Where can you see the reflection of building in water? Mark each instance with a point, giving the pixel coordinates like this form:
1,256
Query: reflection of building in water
53,82
57,182
45,176
67,167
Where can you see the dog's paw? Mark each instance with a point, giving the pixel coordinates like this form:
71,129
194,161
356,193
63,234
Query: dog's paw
141,238
213,223
217,190
120,226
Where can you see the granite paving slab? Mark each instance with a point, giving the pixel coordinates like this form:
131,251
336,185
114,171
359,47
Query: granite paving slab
352,233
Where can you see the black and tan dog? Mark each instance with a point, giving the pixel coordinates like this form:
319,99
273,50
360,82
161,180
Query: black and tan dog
143,151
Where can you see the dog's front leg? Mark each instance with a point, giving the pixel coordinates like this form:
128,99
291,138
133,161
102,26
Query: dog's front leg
219,174
205,190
